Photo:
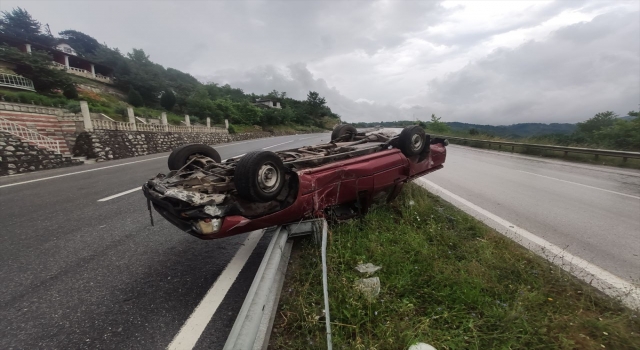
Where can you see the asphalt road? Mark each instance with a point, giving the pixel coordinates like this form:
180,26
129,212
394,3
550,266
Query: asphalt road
79,273
591,211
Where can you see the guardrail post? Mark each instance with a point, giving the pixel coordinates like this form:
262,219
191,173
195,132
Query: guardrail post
566,153
513,148
132,118
596,157
187,121
226,124
86,116
208,122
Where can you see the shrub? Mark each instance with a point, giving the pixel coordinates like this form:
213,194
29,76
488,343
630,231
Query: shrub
73,106
134,98
231,129
70,92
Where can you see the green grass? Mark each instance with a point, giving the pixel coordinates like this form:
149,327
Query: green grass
447,280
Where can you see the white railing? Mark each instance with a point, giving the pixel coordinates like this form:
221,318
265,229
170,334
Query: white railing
78,70
58,65
16,81
109,125
103,78
29,135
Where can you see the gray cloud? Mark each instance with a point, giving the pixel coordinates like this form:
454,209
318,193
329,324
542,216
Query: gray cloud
579,70
296,80
390,53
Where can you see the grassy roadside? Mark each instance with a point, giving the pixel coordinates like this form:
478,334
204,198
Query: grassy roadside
446,280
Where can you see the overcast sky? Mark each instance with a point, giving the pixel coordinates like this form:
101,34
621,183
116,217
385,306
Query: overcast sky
479,62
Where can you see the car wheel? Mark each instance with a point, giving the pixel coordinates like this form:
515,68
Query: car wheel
259,176
180,156
412,140
342,130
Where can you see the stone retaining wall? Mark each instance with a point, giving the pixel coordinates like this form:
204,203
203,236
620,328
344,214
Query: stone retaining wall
17,156
115,144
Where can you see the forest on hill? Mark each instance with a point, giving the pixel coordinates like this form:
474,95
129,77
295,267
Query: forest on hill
149,84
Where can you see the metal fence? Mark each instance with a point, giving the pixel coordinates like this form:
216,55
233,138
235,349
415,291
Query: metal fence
596,152
16,82
29,135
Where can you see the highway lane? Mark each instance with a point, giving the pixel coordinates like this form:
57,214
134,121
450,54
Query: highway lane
79,273
591,211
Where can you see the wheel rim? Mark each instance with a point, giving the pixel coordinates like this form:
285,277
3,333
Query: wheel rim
268,177
416,142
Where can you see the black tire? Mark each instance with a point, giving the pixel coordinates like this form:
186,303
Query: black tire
173,154
412,140
342,130
254,176
180,156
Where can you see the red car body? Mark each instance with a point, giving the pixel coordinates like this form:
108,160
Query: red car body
362,179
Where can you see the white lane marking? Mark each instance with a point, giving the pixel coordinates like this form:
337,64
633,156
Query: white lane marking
78,172
278,144
306,138
190,332
233,144
601,279
238,156
120,194
579,184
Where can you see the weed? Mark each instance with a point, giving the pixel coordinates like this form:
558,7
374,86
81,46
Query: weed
447,280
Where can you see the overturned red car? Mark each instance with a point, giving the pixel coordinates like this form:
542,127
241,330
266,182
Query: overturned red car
211,199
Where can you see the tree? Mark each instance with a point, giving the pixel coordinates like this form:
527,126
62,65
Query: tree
597,122
436,125
134,98
168,100
37,67
315,104
622,135
19,23
473,131
81,42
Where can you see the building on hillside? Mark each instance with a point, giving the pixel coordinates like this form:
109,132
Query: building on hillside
65,58
267,103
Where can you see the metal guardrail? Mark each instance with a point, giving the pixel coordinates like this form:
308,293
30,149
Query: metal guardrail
29,135
16,82
597,152
253,325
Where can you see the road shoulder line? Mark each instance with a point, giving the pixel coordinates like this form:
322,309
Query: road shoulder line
593,275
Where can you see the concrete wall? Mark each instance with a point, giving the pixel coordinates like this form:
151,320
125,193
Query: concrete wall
115,144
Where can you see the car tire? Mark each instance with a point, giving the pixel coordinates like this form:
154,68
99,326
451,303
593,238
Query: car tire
180,156
259,176
412,140
342,130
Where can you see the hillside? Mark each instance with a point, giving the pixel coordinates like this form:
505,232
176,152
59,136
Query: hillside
516,130
132,79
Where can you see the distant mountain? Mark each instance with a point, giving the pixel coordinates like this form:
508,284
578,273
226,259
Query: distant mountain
516,130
